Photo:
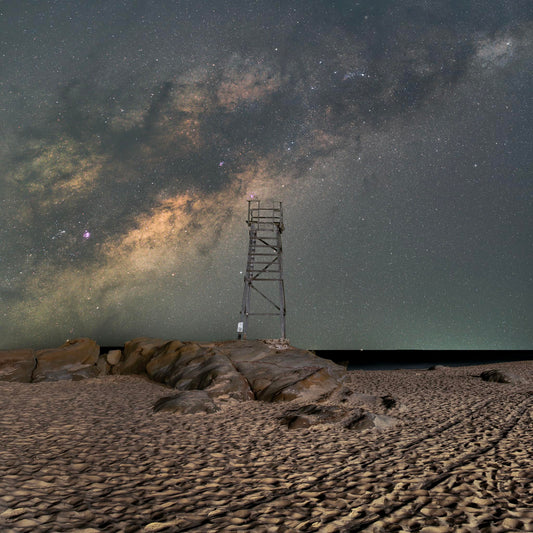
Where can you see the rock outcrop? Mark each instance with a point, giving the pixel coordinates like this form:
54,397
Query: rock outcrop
17,365
74,360
283,375
243,370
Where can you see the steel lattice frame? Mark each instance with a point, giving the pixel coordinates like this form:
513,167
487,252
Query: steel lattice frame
264,265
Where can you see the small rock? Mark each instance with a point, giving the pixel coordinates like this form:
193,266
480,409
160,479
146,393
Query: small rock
113,357
496,376
359,421
103,366
312,414
389,401
186,402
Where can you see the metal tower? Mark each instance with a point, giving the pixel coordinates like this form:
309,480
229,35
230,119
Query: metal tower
264,269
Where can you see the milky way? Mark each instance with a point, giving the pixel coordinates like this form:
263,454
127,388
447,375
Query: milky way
397,134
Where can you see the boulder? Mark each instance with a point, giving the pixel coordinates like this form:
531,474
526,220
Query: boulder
284,375
360,420
310,415
113,357
190,366
186,402
17,365
74,360
184,366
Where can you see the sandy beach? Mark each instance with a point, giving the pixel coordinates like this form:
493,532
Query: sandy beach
92,456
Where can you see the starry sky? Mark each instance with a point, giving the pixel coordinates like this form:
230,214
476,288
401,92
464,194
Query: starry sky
397,135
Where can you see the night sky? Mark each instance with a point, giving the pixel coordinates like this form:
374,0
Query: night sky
397,134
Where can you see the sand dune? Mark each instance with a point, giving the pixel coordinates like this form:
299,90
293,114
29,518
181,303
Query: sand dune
93,456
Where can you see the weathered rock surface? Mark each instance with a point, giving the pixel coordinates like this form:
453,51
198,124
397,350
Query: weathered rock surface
113,357
361,420
310,415
186,402
74,360
137,354
16,365
191,366
244,370
240,369
283,375
102,366
356,419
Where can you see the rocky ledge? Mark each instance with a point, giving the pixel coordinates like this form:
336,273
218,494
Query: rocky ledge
243,370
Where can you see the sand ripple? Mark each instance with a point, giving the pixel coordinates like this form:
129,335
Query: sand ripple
92,456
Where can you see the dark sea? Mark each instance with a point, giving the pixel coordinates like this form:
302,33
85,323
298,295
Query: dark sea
396,359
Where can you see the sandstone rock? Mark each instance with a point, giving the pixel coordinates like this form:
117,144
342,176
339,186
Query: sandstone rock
73,360
16,365
190,366
497,376
317,384
186,402
238,369
184,366
360,420
310,415
137,353
171,355
246,350
102,366
283,375
113,357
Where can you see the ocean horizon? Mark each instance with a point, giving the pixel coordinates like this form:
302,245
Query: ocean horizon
419,359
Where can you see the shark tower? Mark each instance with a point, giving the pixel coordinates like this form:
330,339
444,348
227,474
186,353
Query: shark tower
264,267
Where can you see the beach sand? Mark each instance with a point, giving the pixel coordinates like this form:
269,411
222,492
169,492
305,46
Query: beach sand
92,456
